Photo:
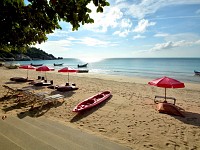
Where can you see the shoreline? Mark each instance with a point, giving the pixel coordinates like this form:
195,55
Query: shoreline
128,118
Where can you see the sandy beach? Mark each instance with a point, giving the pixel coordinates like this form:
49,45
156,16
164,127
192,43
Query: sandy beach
129,117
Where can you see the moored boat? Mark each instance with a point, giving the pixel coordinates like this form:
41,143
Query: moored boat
12,65
36,65
92,101
84,65
82,71
58,64
197,72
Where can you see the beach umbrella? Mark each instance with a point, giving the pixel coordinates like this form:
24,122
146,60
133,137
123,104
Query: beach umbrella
44,68
68,70
27,67
166,82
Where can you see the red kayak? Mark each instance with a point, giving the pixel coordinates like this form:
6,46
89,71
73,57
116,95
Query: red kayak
92,101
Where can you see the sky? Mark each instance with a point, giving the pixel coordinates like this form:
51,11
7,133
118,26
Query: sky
132,28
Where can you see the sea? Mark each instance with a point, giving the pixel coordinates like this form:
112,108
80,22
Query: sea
181,69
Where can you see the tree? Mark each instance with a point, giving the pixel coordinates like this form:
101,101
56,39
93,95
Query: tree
24,25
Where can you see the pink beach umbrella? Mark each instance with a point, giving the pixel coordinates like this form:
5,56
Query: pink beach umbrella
44,68
166,82
27,67
68,70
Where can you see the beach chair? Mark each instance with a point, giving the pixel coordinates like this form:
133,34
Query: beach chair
30,97
10,91
20,79
51,99
156,101
66,88
25,96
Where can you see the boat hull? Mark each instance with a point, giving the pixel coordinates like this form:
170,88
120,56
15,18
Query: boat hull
197,72
84,65
92,101
36,65
58,64
82,71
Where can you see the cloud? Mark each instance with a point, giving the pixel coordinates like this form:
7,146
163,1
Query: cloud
182,36
125,23
94,42
198,12
170,45
125,27
61,46
142,26
138,37
59,33
121,33
102,21
146,7
119,1
161,35
197,42
52,46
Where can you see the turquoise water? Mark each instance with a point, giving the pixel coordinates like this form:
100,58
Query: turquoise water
179,68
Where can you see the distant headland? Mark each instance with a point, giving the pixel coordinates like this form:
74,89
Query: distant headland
32,53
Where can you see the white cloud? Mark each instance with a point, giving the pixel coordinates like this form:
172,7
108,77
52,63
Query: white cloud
182,36
52,46
198,12
170,45
142,26
93,42
59,33
197,42
138,37
161,35
125,23
109,18
119,1
121,33
71,38
125,26
146,7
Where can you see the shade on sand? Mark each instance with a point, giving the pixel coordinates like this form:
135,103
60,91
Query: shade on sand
166,82
68,70
27,67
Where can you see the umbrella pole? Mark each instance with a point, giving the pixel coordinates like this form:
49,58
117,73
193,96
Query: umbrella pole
68,77
27,74
45,76
165,95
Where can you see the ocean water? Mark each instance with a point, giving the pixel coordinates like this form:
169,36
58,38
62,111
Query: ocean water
178,68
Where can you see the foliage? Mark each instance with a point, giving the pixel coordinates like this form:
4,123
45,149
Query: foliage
32,52
23,25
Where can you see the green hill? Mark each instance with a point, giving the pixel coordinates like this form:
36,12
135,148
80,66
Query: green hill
32,53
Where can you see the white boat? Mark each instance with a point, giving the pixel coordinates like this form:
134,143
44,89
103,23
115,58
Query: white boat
12,65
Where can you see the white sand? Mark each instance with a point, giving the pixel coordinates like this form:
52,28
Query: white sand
129,117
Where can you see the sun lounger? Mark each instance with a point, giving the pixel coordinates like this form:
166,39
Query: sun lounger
31,97
20,79
42,83
66,88
10,91
24,89
163,97
51,99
